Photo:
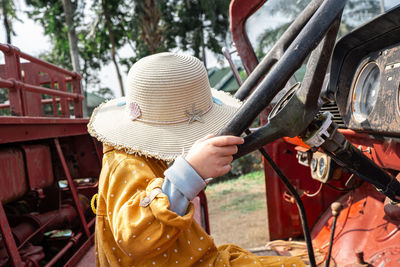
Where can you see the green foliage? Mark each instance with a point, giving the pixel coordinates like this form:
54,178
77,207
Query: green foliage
201,24
3,95
230,185
158,26
50,15
105,92
149,29
3,99
356,12
245,165
268,38
93,40
147,26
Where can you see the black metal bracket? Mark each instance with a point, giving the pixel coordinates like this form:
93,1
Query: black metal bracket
324,133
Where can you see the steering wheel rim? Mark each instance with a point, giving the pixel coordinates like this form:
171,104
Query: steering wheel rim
306,41
279,48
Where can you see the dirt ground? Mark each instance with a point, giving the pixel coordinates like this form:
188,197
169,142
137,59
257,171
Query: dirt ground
237,210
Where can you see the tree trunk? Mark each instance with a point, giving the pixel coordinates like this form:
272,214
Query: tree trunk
6,21
382,4
73,46
203,47
149,25
112,41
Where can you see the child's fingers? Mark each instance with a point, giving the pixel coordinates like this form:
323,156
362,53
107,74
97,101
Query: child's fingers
227,140
208,136
225,169
227,150
228,160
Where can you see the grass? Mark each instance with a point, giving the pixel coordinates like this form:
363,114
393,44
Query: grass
241,184
245,204
244,194
237,210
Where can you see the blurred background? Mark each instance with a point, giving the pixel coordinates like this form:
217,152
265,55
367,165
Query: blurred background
101,39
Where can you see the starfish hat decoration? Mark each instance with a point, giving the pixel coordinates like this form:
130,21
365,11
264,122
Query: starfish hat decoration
194,114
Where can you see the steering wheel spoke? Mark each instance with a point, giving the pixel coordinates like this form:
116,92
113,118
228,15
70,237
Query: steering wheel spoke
293,113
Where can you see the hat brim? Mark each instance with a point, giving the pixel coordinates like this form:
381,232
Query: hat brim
111,125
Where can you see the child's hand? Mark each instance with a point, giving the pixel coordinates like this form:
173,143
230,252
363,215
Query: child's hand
211,156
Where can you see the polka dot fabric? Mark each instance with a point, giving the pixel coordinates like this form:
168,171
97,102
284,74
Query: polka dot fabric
130,235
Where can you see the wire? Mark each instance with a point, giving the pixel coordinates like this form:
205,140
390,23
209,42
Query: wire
299,204
354,171
315,193
331,241
340,189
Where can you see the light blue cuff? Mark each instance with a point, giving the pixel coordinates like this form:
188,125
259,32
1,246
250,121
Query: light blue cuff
181,184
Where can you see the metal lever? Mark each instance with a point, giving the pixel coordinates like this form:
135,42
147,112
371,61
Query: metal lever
227,54
323,132
336,208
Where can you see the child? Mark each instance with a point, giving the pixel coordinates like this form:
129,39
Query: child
144,214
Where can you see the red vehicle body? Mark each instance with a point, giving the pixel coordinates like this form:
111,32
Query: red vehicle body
49,167
364,228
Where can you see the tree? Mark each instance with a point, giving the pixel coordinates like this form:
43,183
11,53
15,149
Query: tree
105,92
73,44
153,26
158,26
356,11
50,14
150,29
8,13
72,39
202,24
107,7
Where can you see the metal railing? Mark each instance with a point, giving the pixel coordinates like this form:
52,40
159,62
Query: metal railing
29,82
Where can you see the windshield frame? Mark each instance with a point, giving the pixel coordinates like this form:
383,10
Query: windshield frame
240,11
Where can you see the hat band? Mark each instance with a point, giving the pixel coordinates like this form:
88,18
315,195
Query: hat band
190,119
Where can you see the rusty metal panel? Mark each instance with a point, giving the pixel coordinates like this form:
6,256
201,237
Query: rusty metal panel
33,107
12,175
38,166
13,70
79,151
20,129
283,216
362,226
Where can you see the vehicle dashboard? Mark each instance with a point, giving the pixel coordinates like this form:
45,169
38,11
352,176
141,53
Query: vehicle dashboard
365,76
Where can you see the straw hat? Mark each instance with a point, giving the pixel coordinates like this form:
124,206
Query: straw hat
168,106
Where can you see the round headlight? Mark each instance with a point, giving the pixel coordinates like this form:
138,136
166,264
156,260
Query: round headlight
366,90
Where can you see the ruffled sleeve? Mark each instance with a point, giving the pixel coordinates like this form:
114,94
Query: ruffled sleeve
141,231
182,184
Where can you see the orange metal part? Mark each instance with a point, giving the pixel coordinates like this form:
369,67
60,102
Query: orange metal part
362,226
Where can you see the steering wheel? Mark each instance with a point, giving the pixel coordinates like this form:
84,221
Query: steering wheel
296,109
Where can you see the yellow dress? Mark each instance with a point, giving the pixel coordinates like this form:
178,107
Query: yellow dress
130,235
